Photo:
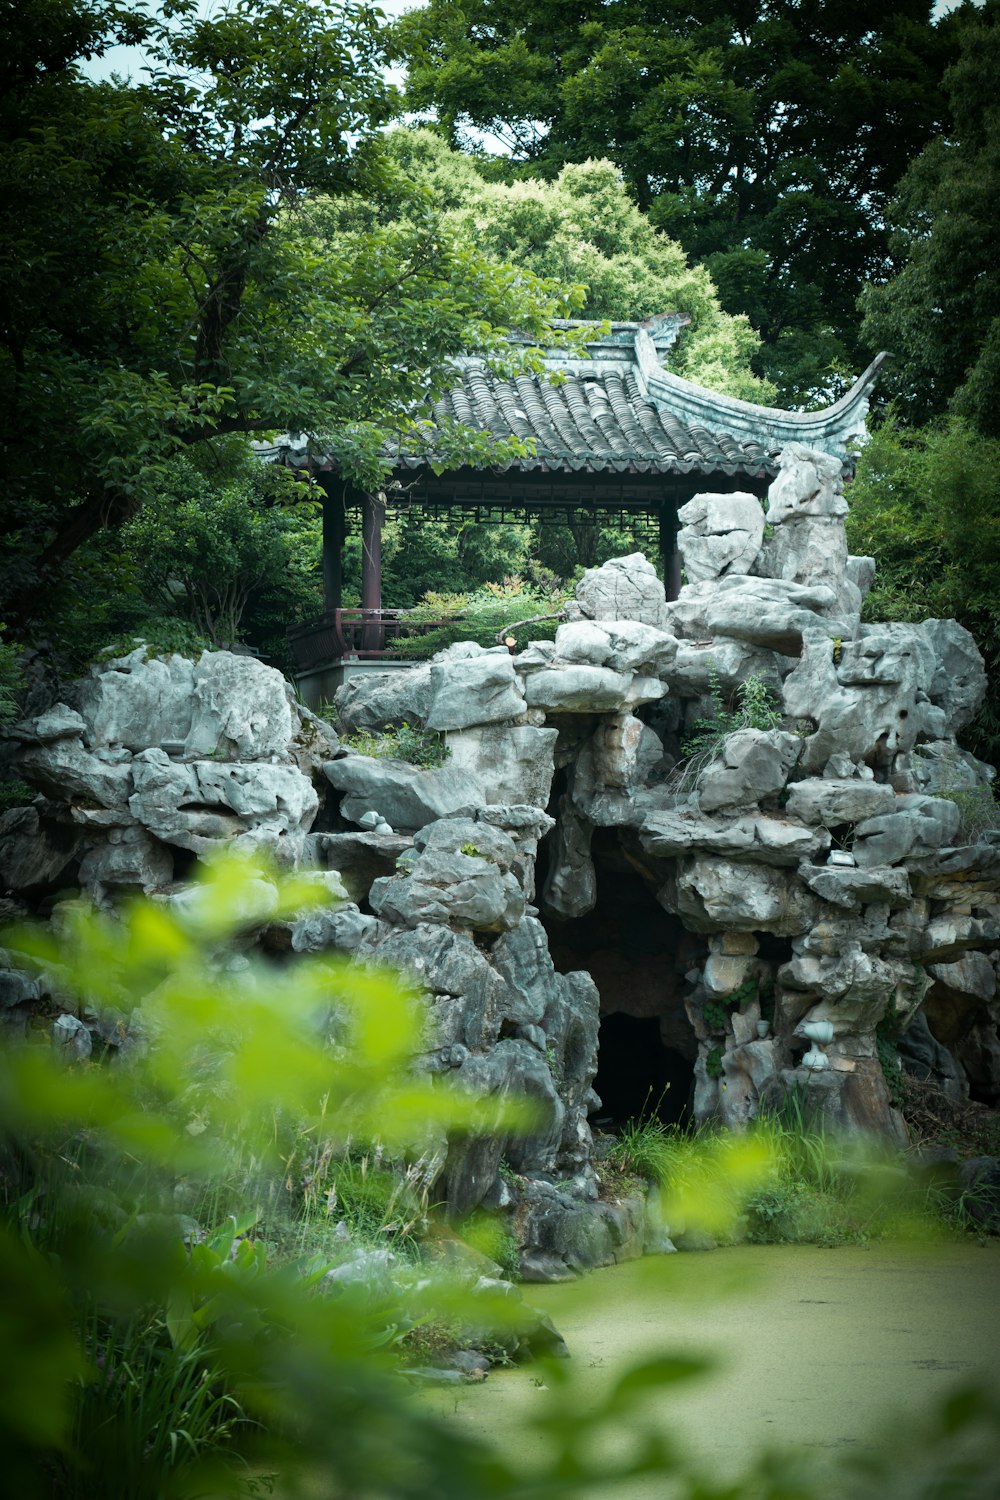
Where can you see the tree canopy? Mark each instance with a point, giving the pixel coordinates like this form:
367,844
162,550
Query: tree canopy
766,136
941,313
581,228
155,297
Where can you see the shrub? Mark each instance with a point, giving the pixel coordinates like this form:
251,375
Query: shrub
421,747
481,616
707,740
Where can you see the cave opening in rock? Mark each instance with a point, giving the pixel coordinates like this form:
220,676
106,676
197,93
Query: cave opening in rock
637,954
638,1077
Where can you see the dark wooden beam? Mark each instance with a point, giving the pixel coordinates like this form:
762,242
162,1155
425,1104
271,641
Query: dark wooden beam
669,554
334,534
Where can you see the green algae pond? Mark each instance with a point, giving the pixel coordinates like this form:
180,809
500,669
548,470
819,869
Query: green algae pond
820,1349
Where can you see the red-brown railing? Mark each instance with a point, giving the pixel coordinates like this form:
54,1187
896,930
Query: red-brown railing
361,634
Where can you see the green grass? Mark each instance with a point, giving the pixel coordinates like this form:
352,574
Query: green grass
784,1181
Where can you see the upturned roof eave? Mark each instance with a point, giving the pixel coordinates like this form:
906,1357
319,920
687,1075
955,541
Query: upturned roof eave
833,428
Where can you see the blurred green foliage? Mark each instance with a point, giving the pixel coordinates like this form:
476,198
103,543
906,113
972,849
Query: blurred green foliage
149,1354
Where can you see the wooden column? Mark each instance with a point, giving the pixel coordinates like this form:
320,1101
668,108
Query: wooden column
334,533
372,521
668,549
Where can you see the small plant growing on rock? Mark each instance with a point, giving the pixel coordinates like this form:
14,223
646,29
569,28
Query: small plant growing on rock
756,710
421,747
713,1062
472,850
978,807
716,1014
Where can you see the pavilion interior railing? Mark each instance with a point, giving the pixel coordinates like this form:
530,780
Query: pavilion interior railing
353,634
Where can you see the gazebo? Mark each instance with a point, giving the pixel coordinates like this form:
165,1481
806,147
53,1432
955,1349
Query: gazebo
615,434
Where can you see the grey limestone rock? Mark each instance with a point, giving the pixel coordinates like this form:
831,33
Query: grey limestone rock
16,986
358,858
378,700
958,685
806,507
754,764
406,796
622,753
748,1070
832,802
924,1057
621,645
950,935
522,959
139,701
58,723
64,770
454,834
35,851
809,483
519,818
970,979
456,888
861,572
563,1237
721,895
769,841
851,889
342,928
240,708
850,987
471,998
721,535
772,614
127,858
514,764
575,688
71,1038
582,643
700,663
851,1100
479,690
194,804
919,825
873,705
626,588
571,883
941,766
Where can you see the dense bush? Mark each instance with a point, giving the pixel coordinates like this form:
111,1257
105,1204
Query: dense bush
925,503
483,616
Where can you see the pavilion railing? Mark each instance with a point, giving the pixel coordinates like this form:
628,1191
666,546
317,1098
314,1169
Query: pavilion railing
353,634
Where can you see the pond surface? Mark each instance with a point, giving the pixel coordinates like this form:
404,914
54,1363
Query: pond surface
815,1348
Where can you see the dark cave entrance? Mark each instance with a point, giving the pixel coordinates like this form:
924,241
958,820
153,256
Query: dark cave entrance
637,954
638,1076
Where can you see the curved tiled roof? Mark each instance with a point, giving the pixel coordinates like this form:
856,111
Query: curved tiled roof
613,408
602,419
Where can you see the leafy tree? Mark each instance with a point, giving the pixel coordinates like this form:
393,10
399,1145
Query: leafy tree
765,135
926,504
155,297
583,227
941,314
204,550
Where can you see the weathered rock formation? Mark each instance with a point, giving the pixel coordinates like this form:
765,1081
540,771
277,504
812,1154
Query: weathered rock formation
575,896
